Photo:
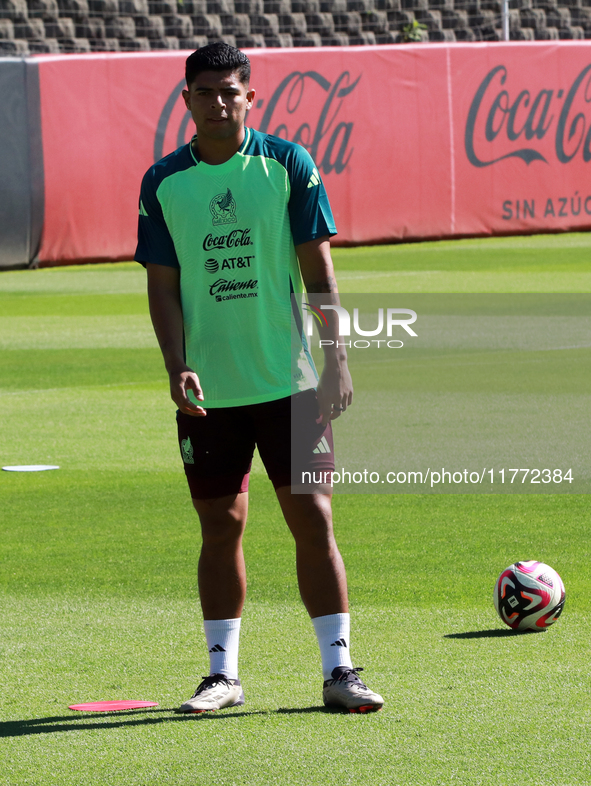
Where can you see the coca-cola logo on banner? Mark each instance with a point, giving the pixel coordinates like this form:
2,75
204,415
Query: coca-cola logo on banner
304,107
508,120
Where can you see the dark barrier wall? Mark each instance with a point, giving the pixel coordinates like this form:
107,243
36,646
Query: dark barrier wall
414,141
21,163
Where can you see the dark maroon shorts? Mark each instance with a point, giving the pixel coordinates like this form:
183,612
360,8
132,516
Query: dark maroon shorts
217,449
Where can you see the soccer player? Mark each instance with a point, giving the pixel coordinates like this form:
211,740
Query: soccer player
229,225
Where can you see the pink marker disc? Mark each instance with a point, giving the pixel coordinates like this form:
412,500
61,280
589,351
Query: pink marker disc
110,706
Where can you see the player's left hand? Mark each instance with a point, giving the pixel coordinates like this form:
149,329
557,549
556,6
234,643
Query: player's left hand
335,391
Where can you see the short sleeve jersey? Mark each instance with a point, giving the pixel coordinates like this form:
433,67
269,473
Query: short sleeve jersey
232,229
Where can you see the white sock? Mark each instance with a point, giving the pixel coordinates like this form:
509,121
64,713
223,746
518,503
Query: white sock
223,637
332,632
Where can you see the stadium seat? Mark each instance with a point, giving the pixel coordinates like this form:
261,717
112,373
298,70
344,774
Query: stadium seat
388,5
121,27
415,5
168,42
178,25
133,7
277,6
440,35
465,34
571,33
194,42
191,7
252,41
73,9
220,7
491,5
71,45
547,34
558,17
471,6
15,46
60,28
93,29
483,20
581,17
33,29
163,7
365,38
389,37
14,9
360,5
283,40
294,24
151,27
134,44
104,45
454,20
7,30
430,18
309,39
207,24
308,6
399,19
43,9
534,18
336,39
250,7
333,6
522,34
376,21
349,23
320,23
42,46
440,5
235,24
264,24
104,8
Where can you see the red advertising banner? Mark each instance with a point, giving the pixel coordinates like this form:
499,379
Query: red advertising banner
414,141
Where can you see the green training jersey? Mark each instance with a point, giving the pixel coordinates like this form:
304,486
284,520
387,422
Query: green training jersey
232,229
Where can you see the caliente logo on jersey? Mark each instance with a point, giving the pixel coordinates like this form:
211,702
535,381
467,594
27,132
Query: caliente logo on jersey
223,209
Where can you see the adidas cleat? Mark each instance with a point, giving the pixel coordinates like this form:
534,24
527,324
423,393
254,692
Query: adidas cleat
345,689
215,693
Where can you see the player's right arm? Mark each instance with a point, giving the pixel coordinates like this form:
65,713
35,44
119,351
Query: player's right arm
167,318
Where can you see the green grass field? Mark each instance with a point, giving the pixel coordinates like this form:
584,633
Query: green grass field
98,571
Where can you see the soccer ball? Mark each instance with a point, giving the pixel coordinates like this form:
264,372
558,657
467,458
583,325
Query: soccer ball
529,596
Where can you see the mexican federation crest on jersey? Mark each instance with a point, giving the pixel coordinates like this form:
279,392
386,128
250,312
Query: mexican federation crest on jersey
223,209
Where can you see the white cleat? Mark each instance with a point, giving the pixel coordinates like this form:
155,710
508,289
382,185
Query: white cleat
215,693
345,689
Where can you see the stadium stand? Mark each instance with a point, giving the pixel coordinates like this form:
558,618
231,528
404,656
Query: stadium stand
54,26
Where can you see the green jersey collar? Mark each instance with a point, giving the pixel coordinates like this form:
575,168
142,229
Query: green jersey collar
228,165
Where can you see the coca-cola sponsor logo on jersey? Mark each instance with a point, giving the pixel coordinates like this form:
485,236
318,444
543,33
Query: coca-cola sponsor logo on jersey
234,239
533,125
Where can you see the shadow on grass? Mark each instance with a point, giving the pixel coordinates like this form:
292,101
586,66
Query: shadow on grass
87,722
494,633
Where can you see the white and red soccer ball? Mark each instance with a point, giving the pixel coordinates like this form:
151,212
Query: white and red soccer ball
529,595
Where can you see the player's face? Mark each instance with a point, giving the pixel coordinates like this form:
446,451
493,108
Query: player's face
218,102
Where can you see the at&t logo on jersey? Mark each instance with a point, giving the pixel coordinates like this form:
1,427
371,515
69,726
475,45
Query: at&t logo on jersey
232,263
223,209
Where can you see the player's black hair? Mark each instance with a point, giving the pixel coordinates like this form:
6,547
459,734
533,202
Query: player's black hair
217,57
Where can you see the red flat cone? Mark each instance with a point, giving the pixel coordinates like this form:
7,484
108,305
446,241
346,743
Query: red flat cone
110,706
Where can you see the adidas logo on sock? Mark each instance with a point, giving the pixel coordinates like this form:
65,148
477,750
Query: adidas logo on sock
339,643
217,648
322,447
